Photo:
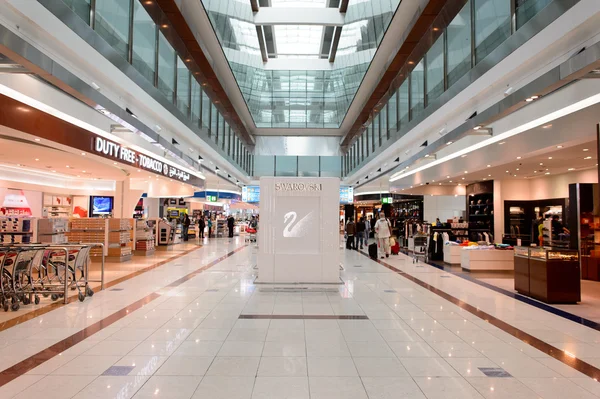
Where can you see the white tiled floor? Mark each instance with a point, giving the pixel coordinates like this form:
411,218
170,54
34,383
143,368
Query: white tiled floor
190,343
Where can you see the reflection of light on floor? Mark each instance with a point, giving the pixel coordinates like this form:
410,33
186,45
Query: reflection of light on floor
246,286
139,380
570,354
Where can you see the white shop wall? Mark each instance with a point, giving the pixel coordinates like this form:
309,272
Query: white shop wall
443,207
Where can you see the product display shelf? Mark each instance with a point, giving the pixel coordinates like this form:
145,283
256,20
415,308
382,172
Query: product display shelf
53,230
144,239
548,274
120,239
91,230
18,230
487,259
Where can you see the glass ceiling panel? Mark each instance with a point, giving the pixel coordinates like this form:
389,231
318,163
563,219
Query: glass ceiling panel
298,40
298,3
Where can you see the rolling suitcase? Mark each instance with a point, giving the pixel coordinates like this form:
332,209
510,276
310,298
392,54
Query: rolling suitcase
373,251
395,248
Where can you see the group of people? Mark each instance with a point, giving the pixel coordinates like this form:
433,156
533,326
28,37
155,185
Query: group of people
204,222
357,234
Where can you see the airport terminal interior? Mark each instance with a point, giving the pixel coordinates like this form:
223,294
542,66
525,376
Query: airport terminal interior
299,199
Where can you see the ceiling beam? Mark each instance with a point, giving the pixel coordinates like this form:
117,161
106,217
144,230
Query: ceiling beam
254,5
334,44
261,43
298,16
344,6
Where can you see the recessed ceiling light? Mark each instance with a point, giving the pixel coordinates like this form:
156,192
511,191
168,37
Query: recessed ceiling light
585,149
448,143
78,176
447,177
463,178
587,158
517,168
502,142
18,164
548,126
571,169
36,139
489,175
518,157
547,173
549,157
507,171
463,156
450,181
37,159
534,97
477,127
459,184
54,171
535,171
489,166
83,153
114,163
83,171
529,99
466,171
440,184
541,164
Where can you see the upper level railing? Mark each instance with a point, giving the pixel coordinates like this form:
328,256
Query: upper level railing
300,166
473,34
136,38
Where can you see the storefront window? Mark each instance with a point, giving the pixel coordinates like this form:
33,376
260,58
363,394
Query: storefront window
166,68
183,87
144,42
112,23
492,26
383,124
459,45
81,8
435,70
214,122
417,94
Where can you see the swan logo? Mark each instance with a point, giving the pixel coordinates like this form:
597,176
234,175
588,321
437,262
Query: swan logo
295,229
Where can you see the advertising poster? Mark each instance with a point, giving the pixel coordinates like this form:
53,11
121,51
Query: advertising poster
20,202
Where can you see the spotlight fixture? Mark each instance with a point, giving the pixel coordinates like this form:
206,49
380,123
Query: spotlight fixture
174,142
130,113
200,159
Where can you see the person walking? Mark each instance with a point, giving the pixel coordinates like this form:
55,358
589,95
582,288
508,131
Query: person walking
383,229
350,232
186,227
210,225
201,226
360,233
230,223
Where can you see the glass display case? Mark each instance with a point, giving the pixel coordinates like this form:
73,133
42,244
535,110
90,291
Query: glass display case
551,275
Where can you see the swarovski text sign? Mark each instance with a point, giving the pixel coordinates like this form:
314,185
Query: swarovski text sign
131,157
302,187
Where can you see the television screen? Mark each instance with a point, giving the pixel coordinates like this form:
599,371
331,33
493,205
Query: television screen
101,205
174,214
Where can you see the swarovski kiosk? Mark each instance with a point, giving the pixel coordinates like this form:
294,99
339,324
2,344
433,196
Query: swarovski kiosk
298,232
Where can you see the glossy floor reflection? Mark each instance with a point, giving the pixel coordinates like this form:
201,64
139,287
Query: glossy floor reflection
190,342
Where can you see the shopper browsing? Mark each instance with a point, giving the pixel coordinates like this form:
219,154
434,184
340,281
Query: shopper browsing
360,234
230,224
350,232
383,229
201,226
210,225
186,226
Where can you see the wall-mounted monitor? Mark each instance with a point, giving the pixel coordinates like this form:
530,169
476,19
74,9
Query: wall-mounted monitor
101,205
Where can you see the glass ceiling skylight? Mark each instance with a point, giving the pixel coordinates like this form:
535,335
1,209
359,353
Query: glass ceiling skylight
298,40
298,3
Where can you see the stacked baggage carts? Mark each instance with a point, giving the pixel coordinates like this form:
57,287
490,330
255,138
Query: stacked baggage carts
30,271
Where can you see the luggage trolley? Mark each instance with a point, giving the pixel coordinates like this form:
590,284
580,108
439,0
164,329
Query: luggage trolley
420,250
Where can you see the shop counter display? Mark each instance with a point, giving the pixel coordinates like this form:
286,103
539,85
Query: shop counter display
487,259
547,274
452,254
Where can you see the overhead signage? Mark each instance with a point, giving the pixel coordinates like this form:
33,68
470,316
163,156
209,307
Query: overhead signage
387,200
346,195
126,155
251,194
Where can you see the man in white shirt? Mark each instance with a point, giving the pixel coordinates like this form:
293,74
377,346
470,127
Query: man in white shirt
383,229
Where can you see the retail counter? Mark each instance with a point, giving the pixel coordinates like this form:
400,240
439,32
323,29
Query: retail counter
487,259
549,275
452,254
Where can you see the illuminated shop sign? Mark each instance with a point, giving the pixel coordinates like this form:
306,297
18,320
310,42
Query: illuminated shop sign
251,193
118,152
298,187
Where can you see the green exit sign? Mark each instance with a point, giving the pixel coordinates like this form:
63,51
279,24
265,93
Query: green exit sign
387,200
212,198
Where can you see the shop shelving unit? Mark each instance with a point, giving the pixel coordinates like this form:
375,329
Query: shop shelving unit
53,230
90,230
120,239
17,230
144,238
480,209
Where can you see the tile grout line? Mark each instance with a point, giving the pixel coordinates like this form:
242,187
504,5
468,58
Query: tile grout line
577,364
39,358
59,304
